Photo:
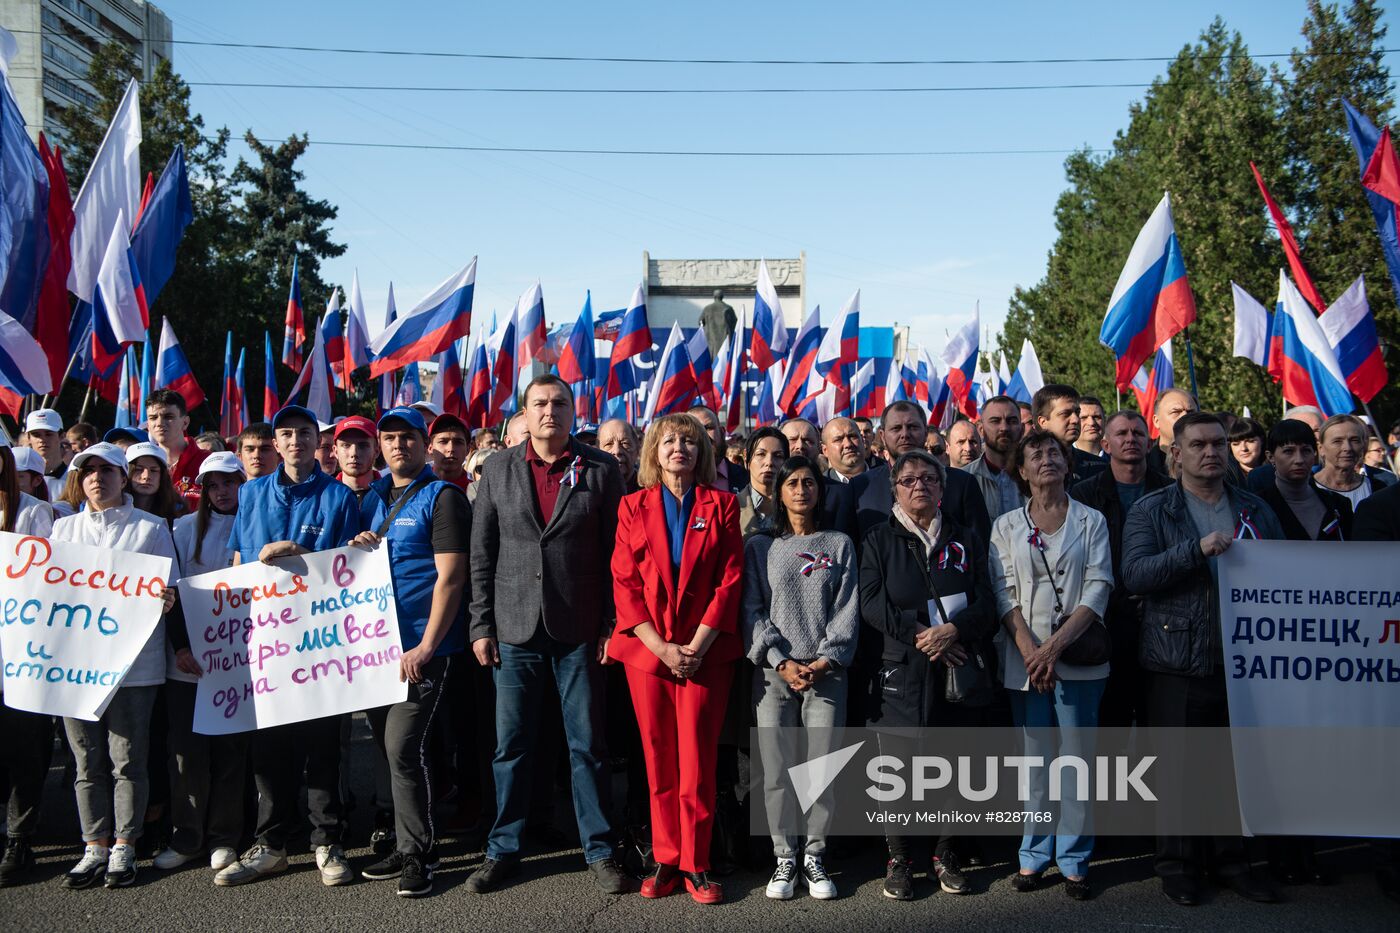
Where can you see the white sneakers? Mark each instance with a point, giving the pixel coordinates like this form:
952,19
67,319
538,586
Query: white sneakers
818,884
784,881
335,870
257,862
222,858
170,859
783,884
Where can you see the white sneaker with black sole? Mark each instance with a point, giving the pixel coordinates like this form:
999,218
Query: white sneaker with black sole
121,866
784,881
335,869
819,884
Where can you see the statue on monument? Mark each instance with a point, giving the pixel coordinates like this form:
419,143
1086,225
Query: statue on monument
718,319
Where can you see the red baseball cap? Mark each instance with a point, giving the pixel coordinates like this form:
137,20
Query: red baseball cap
356,423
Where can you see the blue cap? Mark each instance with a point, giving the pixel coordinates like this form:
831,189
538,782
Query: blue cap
296,411
410,416
135,435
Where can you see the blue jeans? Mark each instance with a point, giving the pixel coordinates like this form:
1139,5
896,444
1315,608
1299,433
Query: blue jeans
520,681
1073,703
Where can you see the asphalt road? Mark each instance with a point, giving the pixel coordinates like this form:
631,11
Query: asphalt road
553,891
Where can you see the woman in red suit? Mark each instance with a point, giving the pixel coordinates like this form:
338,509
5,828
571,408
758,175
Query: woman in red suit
676,582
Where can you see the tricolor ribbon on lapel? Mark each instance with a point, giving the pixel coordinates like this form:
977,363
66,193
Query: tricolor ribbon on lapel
813,562
1244,528
1035,538
956,554
698,524
1332,527
571,474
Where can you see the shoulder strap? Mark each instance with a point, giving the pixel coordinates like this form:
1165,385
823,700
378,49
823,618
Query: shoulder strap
417,484
917,549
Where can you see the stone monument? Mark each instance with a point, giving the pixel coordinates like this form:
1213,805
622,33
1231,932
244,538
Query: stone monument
719,321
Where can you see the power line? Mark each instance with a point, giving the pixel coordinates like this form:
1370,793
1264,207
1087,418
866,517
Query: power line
717,153
632,60
270,85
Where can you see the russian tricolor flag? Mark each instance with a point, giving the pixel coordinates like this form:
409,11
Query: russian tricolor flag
673,386
270,404
128,391
228,406
840,347
447,392
1028,379
505,370
424,332
478,384
961,356
173,368
120,314
766,407
1152,301
633,337
577,360
294,325
730,369
770,336
530,324
1148,386
1380,177
333,328
24,370
356,330
800,362
1351,332
863,391
1311,373
702,368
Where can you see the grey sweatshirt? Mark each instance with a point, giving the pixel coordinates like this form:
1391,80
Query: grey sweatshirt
801,598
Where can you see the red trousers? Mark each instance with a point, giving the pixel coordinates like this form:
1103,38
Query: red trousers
680,724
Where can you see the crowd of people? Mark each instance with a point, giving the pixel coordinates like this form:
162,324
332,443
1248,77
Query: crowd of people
573,605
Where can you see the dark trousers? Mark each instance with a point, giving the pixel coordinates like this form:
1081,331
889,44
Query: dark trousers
281,755
206,778
27,748
521,686
404,733
1175,701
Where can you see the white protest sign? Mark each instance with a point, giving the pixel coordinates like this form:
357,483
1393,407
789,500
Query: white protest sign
73,618
1311,635
315,635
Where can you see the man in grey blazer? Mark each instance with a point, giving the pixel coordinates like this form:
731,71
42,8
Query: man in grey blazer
543,528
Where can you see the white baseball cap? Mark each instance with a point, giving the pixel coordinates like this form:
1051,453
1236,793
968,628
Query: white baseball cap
26,459
221,461
107,453
43,419
428,408
147,449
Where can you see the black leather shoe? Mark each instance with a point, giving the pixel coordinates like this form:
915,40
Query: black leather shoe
1252,887
610,876
491,875
1181,889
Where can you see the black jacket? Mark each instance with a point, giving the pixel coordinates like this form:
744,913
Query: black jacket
1378,516
962,500
1163,563
896,583
1101,492
1336,523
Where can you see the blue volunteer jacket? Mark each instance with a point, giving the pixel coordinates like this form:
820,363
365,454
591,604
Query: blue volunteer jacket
318,514
410,543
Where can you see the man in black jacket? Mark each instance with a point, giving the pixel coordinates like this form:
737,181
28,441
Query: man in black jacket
1056,409
1170,543
1113,492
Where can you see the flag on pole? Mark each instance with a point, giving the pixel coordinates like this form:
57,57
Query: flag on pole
766,407
840,347
386,381
478,383
23,367
505,368
1027,380
148,376
294,325
961,356
120,314
1380,177
111,190
732,379
1252,327
54,312
702,368
356,330
1147,387
228,405
270,404
447,392
129,390
576,361
802,358
242,396
770,336
24,226
437,320
673,386
633,337
1351,332
863,390
164,217
533,334
1152,301
333,326
173,368
1311,373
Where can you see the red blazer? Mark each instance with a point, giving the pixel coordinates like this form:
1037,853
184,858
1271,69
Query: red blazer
710,585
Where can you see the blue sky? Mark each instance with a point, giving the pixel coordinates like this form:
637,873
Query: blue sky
923,237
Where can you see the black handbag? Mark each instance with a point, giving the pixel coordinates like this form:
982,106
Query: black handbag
1093,646
970,683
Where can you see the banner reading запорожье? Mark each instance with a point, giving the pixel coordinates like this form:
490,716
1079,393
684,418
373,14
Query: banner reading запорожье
316,635
1312,643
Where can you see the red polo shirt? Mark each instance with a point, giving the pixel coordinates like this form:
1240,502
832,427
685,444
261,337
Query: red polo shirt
185,471
547,477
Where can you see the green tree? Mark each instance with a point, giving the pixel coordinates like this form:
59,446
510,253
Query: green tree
1320,180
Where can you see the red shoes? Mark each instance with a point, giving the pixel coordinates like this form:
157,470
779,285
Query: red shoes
667,880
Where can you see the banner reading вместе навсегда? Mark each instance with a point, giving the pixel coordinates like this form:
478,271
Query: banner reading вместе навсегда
1311,636
73,618
311,636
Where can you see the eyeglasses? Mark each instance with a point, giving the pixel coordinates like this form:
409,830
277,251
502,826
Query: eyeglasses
927,480
938,451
